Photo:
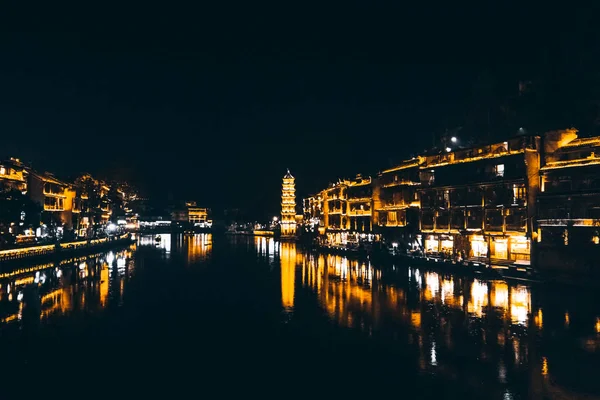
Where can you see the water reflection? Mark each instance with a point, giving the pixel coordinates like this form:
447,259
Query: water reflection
288,274
196,247
499,339
458,326
267,248
199,246
161,241
87,283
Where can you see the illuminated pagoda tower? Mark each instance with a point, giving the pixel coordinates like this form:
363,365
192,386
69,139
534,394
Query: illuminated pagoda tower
288,206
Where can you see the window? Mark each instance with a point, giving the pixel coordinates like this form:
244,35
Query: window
519,193
500,170
392,217
2,171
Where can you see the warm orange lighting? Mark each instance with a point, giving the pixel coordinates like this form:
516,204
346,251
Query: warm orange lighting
447,292
479,298
24,281
544,366
499,295
432,285
520,304
538,319
288,274
104,286
415,319
288,206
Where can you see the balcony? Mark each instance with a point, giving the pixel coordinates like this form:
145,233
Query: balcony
584,222
53,207
394,207
359,213
359,199
6,173
515,227
49,193
401,183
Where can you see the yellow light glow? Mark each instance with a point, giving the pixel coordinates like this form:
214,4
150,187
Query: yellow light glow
538,319
479,298
520,299
288,274
24,281
432,285
544,366
415,319
499,295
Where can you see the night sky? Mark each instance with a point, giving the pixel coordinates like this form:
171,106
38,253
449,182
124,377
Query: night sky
214,103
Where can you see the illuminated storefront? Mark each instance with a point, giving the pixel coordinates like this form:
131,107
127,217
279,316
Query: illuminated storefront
500,248
520,248
437,243
432,244
479,246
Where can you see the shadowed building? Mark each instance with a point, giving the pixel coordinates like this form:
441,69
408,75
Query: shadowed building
480,201
56,197
396,202
569,203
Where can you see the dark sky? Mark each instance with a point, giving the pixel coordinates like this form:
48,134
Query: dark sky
215,102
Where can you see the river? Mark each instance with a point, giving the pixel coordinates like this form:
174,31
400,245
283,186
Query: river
239,315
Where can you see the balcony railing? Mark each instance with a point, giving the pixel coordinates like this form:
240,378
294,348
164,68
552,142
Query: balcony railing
359,212
359,199
515,227
53,207
54,194
401,183
570,222
12,176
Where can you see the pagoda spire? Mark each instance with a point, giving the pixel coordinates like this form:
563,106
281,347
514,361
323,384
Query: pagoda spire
288,206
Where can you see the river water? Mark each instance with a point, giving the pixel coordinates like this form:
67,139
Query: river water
224,316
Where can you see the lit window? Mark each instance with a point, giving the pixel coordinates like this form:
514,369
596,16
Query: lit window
2,171
500,170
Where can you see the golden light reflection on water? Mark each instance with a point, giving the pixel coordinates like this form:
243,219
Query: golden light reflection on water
81,283
479,298
499,295
434,306
432,285
199,246
288,274
520,304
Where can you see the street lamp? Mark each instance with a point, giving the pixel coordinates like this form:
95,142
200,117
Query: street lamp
453,139
274,219
448,149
